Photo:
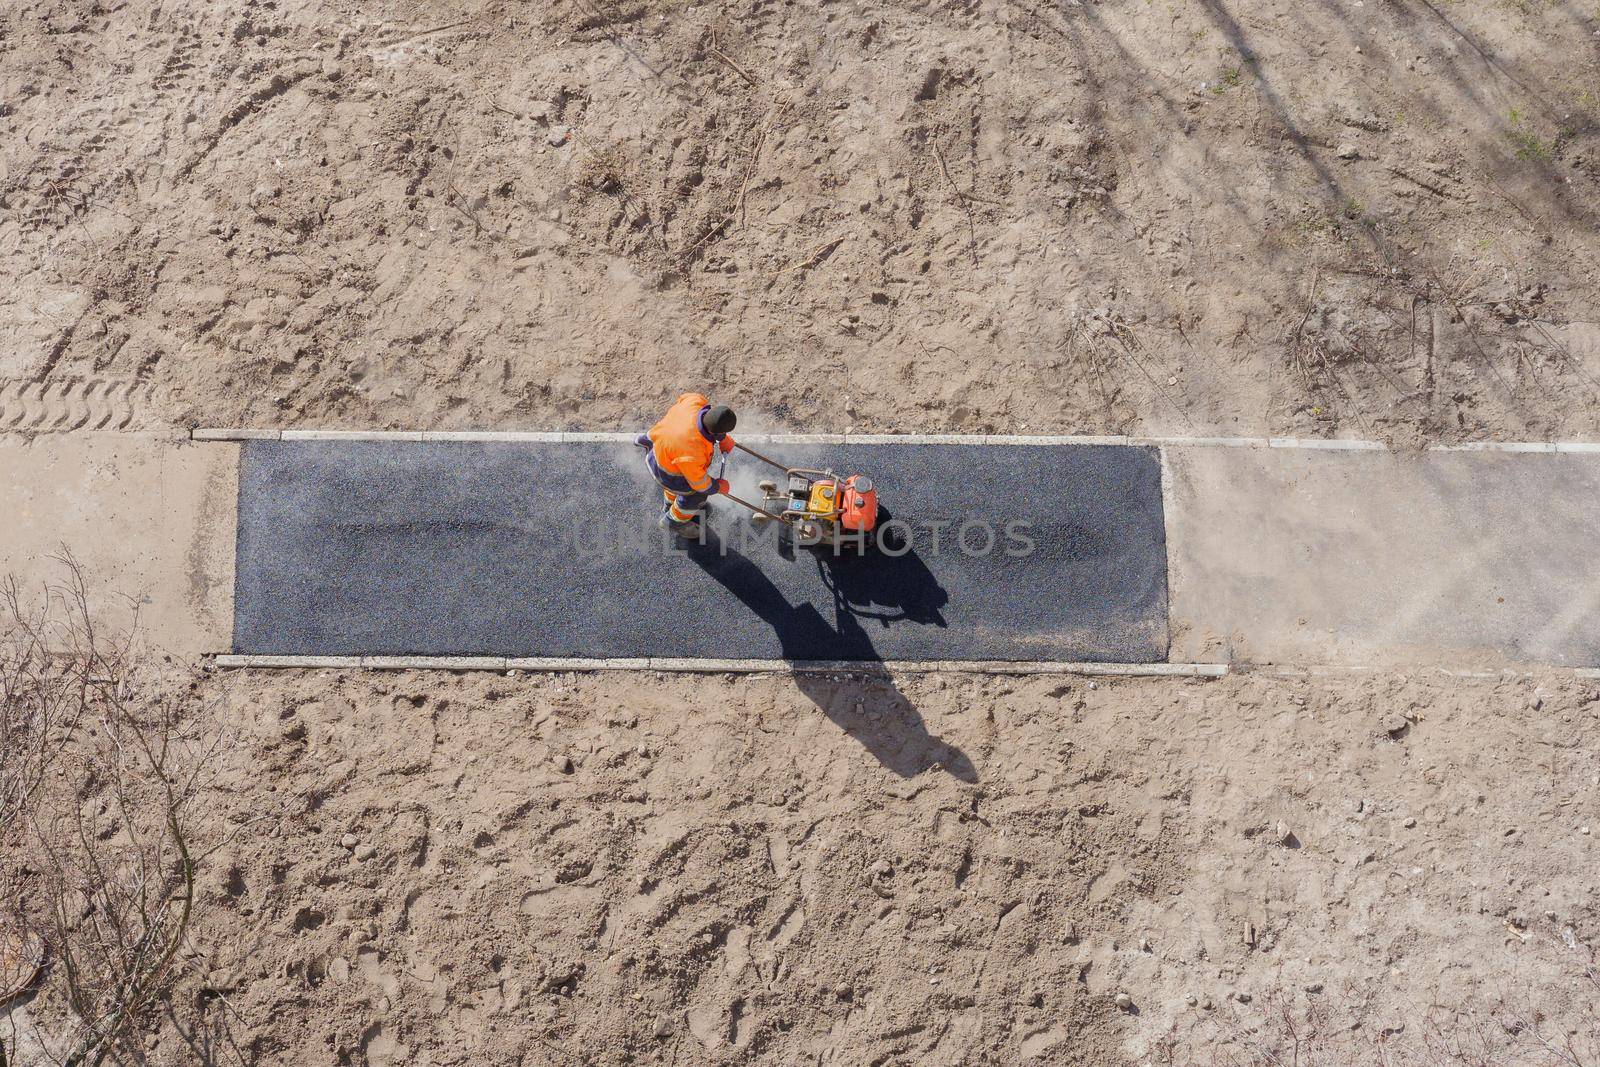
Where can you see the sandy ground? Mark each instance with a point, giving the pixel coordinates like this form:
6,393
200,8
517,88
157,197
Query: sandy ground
1188,216
615,869
1254,216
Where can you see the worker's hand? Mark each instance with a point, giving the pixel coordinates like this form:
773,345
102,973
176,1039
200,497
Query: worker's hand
722,486
725,442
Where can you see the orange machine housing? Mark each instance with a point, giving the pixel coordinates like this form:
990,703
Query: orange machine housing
858,511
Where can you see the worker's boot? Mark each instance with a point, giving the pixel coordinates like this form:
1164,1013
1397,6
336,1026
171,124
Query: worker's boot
688,529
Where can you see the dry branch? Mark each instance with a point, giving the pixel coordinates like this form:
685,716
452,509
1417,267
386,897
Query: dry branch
720,54
811,257
971,197
99,792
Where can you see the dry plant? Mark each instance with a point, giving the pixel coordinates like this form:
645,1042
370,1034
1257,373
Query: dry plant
1109,340
49,661
1315,363
100,775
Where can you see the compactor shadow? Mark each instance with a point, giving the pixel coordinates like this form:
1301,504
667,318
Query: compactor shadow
888,589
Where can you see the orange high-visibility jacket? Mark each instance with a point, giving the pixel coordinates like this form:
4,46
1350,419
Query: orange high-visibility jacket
680,446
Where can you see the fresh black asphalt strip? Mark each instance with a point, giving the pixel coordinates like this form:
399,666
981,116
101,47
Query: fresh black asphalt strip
1028,552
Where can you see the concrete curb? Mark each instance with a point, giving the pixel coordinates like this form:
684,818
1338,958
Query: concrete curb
328,662
839,439
1497,446
550,664
1331,670
1202,442
724,666
1332,443
434,663
351,435
478,435
210,434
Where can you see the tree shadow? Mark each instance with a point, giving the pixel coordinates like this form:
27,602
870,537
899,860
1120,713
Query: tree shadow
865,703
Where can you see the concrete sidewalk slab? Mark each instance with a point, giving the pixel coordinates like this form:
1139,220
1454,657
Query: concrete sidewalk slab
151,520
538,549
1311,556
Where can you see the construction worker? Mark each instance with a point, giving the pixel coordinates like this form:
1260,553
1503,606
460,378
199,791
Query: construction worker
679,450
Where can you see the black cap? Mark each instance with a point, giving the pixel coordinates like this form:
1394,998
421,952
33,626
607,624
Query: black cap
720,419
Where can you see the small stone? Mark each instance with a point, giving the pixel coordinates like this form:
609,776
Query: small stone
332,69
1124,1002
559,135
1191,1000
1396,724
349,841
339,969
662,1028
1144,944
564,764
1206,1004
1409,822
843,991
1285,835
1069,933
1349,151
1242,998
365,852
1314,987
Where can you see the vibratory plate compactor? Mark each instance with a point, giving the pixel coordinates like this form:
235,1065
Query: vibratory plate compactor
816,507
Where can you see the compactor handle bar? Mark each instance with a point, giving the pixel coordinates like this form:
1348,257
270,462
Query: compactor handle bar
758,455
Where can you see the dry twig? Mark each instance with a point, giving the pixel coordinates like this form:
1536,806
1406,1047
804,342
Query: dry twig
109,877
811,258
720,54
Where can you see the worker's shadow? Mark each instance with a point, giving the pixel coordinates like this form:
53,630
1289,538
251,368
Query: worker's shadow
866,704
